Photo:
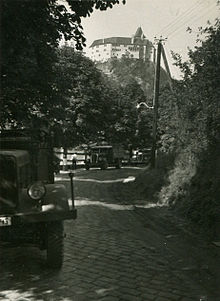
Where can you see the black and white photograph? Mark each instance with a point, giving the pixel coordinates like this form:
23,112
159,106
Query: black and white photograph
110,150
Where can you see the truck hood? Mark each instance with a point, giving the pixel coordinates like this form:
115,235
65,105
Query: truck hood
22,157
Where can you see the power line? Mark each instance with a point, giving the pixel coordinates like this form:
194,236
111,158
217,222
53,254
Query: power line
189,19
199,17
172,23
184,18
193,20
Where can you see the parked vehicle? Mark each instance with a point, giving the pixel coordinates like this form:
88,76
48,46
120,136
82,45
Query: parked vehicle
103,156
32,206
141,156
66,157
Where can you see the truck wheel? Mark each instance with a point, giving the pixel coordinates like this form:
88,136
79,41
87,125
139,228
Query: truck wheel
118,164
87,166
55,237
104,165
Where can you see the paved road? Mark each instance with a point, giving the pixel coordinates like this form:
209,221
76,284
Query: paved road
116,253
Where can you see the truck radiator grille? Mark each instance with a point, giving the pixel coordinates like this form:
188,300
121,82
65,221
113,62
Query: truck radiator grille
8,184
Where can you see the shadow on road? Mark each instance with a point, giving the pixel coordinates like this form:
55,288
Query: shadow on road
24,274
115,249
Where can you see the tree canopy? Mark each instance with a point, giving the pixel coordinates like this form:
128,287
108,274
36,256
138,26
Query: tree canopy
30,34
93,106
83,108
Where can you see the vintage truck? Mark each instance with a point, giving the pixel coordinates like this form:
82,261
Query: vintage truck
32,206
103,156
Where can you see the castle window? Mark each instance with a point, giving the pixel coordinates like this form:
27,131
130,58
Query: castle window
133,48
116,49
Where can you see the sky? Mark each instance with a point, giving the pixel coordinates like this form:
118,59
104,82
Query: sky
166,18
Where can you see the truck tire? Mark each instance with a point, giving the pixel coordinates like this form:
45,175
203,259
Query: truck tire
54,244
104,165
118,164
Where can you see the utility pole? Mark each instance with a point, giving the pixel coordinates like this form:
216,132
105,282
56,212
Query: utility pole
156,102
167,68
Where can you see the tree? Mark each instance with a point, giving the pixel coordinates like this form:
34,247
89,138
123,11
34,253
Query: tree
122,114
192,119
137,78
83,110
91,105
136,70
192,110
29,44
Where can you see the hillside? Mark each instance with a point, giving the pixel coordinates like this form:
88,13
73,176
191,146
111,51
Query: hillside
126,70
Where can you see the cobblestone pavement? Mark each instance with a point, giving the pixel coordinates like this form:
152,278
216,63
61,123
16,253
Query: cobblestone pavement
116,255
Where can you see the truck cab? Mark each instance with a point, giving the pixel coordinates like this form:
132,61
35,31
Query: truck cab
32,206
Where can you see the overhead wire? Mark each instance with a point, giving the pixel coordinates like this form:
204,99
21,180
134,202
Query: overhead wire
175,31
186,17
213,6
178,19
190,21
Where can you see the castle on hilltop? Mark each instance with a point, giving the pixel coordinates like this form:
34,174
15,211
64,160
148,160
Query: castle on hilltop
136,47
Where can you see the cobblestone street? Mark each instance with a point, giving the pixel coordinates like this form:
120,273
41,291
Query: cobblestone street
133,254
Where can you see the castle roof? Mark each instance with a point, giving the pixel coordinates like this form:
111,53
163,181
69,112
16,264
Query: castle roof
138,39
113,40
139,33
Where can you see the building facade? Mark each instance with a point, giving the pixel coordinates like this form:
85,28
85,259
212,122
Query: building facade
136,47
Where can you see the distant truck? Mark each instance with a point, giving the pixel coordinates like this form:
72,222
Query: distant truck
141,156
103,156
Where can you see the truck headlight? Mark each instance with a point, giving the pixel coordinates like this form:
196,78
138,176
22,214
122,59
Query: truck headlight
36,191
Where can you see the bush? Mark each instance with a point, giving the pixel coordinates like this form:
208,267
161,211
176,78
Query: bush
193,187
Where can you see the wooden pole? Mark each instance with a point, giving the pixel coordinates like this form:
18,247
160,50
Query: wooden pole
71,175
155,104
167,68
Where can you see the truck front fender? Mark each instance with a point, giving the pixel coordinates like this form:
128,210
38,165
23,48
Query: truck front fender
55,198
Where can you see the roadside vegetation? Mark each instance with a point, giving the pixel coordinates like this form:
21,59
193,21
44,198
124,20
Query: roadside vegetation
189,128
